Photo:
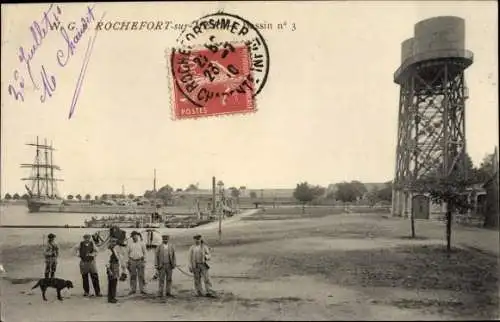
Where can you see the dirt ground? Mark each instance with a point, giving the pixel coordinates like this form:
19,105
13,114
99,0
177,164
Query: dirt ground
281,266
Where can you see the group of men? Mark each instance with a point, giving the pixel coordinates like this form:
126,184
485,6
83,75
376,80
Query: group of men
131,257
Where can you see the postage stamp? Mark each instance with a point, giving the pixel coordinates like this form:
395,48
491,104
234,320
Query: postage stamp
220,65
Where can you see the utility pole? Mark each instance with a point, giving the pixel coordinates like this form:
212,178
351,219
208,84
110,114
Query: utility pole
214,209
154,195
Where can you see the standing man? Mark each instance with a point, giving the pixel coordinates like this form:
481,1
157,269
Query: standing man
165,264
87,251
136,263
199,254
113,269
51,254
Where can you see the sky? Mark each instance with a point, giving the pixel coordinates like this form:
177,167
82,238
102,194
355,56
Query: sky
327,113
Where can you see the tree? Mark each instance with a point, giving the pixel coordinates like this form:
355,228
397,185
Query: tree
306,193
253,195
235,193
487,175
96,197
192,187
88,197
372,196
485,170
79,197
178,190
165,194
348,192
451,190
26,196
104,196
359,187
131,196
385,194
8,196
69,197
16,196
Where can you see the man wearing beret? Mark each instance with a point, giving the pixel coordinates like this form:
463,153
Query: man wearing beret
165,263
87,251
136,263
199,254
51,253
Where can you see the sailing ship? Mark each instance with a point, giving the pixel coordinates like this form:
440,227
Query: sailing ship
43,183
43,194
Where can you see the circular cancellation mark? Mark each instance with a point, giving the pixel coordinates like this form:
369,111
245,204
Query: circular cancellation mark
221,64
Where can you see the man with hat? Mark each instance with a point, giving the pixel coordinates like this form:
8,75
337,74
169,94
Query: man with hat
165,264
113,269
51,253
87,251
136,263
199,254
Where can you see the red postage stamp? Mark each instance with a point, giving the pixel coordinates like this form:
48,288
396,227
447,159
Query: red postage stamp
219,67
208,83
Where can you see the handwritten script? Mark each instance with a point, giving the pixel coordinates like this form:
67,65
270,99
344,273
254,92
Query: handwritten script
41,79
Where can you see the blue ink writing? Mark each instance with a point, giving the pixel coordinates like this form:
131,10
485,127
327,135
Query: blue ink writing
86,60
71,42
38,33
49,85
18,95
39,30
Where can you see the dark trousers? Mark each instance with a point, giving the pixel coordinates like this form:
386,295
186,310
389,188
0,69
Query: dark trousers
50,267
112,285
95,283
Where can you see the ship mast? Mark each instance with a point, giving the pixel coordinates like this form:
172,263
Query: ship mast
154,191
37,161
51,171
37,176
46,171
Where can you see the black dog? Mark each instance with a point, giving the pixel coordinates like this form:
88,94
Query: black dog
57,283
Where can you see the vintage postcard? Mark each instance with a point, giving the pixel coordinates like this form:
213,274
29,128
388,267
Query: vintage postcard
268,160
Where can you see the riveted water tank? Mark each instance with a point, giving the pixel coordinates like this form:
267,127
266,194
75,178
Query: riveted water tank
440,37
406,49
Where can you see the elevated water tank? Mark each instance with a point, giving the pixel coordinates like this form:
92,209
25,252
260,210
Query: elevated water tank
434,39
439,37
406,49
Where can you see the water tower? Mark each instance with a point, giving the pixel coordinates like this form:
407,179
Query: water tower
431,120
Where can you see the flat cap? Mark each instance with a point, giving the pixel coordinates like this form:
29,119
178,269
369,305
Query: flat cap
197,237
86,236
51,235
165,237
134,233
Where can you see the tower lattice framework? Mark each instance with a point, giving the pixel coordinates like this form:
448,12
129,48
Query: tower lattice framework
431,122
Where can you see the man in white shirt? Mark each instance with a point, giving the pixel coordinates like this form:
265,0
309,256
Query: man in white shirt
199,254
136,263
165,263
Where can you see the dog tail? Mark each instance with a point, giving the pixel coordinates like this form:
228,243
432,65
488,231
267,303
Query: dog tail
36,285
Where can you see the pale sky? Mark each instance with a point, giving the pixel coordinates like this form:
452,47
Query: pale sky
328,112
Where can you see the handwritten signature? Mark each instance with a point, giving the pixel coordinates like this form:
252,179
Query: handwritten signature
39,31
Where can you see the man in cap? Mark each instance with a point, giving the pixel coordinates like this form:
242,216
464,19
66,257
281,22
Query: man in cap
199,254
87,251
136,263
165,263
113,269
51,253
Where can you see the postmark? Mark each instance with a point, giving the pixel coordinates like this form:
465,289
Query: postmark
219,66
